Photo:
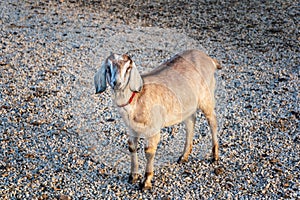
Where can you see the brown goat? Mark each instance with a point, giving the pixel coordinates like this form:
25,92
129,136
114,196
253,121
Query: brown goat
170,94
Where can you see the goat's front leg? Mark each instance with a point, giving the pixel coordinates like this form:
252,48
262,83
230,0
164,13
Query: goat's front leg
189,126
133,143
150,150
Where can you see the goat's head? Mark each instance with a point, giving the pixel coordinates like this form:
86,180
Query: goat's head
119,71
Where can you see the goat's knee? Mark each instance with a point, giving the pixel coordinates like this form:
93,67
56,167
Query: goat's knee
132,147
150,153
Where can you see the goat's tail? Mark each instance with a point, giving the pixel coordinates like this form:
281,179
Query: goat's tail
217,64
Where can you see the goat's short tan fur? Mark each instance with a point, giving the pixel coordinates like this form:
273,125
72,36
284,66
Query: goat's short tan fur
170,94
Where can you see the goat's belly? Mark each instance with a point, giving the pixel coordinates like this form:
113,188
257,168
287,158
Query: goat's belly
147,124
175,118
178,106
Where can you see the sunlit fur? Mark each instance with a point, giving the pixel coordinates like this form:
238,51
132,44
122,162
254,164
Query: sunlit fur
170,94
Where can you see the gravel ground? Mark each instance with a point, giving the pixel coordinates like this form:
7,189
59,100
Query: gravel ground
60,141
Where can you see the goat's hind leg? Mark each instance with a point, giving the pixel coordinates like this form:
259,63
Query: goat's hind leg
212,121
132,146
208,108
189,126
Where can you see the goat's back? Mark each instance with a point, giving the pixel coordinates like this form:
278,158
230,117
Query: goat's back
183,81
190,64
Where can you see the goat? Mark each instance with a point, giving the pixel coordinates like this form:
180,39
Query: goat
170,94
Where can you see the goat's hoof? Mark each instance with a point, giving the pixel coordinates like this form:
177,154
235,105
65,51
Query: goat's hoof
133,178
145,186
182,160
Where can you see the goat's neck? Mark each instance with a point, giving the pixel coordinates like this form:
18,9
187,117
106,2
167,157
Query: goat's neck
122,96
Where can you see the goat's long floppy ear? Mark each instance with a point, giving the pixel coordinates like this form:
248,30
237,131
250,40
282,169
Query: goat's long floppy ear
100,79
135,81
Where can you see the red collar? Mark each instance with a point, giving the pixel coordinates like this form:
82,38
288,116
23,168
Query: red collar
129,101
